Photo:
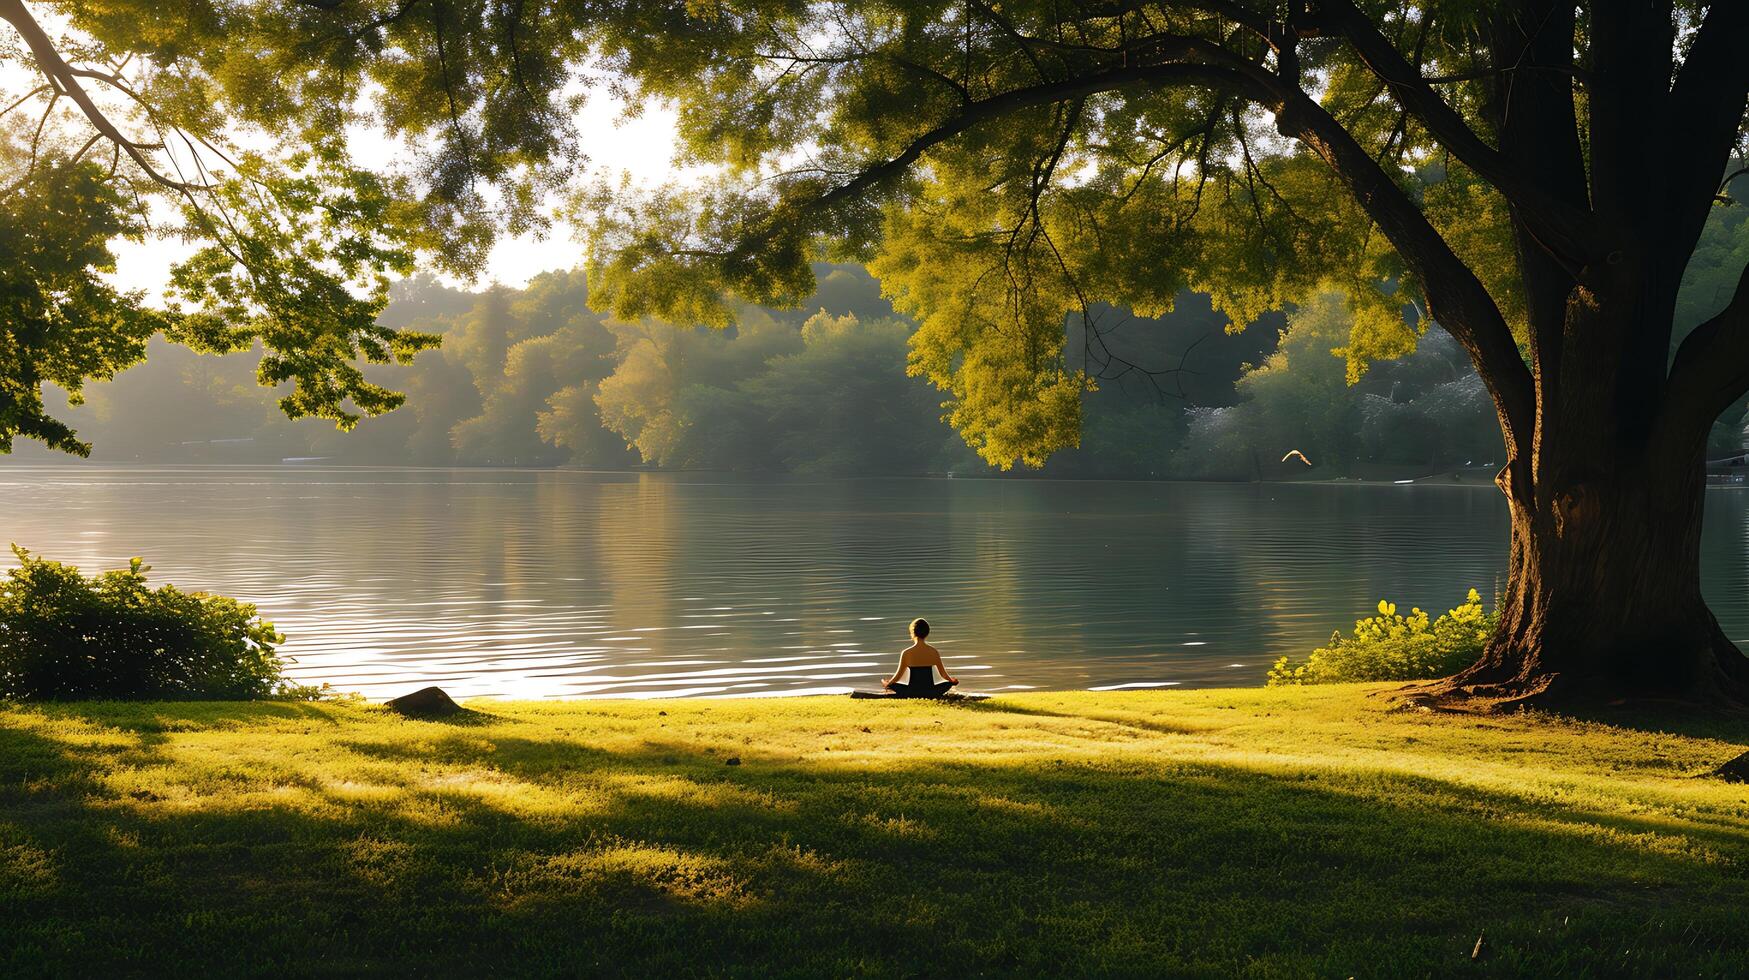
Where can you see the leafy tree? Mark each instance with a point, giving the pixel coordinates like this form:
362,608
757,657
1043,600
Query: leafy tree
423,298
483,337
1299,391
1431,408
1145,373
520,349
59,321
842,404
441,394
1533,174
227,124
673,398
505,433
1297,398
1136,440
572,422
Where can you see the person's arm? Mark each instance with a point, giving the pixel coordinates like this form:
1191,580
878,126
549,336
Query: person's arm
889,682
943,668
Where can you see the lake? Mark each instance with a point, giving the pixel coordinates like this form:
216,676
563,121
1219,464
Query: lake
550,584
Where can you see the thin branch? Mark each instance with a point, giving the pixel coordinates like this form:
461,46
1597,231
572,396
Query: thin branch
26,97
56,69
1579,75
988,109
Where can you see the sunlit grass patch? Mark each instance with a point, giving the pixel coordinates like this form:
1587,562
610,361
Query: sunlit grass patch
639,873
381,861
25,869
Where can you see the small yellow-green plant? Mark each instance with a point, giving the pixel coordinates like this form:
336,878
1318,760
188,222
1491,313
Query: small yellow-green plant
1392,647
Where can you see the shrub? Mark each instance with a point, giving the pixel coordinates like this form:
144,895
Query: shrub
1389,647
64,636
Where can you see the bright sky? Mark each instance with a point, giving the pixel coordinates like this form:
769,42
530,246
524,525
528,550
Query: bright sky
643,146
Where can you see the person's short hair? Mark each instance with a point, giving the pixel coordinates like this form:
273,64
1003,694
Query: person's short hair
920,628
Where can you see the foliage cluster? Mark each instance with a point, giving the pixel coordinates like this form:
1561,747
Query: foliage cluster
829,398
232,127
1394,647
1428,407
1000,180
64,636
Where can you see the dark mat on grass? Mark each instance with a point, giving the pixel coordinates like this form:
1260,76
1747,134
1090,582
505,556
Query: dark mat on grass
890,696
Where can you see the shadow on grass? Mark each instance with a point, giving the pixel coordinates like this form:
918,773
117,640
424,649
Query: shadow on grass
463,718
564,857
1649,715
1672,719
153,716
999,706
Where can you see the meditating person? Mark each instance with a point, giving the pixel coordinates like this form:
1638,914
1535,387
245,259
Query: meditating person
918,666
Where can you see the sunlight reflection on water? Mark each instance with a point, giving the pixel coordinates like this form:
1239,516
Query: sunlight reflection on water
568,584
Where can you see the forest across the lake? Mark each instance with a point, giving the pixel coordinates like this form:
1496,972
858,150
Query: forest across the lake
533,377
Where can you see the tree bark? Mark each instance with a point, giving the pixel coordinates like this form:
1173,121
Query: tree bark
1603,601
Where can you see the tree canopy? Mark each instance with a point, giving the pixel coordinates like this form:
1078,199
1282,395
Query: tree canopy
525,378
1004,166
235,126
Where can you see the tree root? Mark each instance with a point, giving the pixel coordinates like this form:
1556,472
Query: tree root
1728,693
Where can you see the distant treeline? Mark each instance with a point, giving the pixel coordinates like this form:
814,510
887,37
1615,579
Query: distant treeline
532,377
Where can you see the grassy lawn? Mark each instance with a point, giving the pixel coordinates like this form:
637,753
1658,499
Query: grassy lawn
1256,832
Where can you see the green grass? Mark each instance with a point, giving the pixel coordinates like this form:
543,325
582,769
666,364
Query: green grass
1252,832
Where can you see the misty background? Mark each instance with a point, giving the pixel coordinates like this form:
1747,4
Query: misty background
531,377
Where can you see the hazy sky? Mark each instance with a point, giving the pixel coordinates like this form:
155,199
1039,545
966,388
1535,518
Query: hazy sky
643,146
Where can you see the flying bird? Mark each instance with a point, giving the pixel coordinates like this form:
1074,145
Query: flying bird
1295,452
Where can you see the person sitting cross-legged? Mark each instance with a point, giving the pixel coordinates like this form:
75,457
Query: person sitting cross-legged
918,667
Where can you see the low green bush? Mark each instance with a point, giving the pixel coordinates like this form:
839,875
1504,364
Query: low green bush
1389,647
64,636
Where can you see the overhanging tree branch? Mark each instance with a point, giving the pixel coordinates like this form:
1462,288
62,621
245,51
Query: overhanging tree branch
1568,233
1711,369
980,111
64,77
1455,295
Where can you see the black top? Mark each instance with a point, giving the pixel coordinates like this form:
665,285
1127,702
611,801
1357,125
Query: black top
921,684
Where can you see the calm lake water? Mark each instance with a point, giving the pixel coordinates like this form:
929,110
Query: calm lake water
568,584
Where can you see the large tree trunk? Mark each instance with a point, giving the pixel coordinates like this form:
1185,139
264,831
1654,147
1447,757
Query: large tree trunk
1603,601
